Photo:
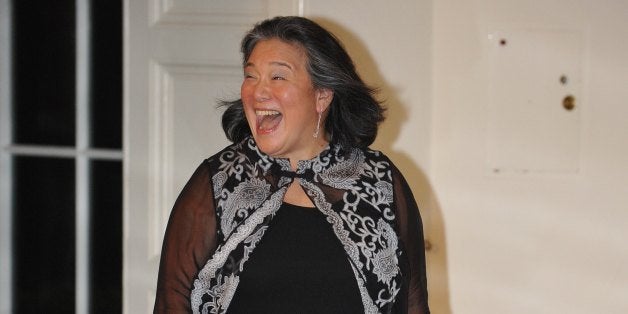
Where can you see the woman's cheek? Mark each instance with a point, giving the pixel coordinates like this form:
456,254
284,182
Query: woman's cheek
244,94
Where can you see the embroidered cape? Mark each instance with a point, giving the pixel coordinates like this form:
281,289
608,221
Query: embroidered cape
353,188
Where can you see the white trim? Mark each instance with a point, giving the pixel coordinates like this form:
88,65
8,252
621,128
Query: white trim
6,168
82,228
67,152
128,279
301,8
126,140
160,157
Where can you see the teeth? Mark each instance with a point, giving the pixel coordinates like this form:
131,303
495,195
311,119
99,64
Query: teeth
266,112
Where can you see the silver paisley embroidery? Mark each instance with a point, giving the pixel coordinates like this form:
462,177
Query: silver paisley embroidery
344,174
219,180
385,191
249,194
219,294
385,260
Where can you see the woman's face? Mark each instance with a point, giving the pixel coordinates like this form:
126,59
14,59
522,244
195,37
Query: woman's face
280,103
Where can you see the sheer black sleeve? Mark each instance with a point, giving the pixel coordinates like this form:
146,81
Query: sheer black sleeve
189,241
410,230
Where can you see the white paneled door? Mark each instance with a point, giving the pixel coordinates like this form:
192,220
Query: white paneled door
181,56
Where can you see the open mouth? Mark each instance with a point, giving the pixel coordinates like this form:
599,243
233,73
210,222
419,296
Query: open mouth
267,120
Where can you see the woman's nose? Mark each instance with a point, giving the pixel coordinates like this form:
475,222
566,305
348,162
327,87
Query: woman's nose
261,92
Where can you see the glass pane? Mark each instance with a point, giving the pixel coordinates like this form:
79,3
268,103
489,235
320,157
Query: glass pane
44,66
43,235
106,237
106,87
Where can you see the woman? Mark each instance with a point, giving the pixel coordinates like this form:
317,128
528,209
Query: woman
298,215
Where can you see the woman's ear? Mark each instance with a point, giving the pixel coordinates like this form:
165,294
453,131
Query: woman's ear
324,96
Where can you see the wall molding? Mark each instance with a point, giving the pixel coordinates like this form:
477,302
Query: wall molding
205,13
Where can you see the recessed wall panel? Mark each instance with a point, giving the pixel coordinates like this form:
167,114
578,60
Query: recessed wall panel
535,100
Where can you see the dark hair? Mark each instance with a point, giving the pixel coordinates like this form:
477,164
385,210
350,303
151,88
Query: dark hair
354,113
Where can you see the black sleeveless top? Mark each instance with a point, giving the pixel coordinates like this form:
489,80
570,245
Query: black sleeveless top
299,266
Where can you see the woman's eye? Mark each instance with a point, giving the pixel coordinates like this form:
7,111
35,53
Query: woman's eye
248,75
278,78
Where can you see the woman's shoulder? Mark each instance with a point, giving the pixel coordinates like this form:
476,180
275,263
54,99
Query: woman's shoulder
230,152
374,155
381,161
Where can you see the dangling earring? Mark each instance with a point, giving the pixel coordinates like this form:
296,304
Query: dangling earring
318,125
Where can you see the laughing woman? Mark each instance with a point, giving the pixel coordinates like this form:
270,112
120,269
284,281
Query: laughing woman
298,215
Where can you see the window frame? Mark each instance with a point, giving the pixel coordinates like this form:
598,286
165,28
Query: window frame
82,154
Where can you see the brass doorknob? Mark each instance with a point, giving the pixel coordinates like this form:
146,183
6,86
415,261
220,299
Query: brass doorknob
569,102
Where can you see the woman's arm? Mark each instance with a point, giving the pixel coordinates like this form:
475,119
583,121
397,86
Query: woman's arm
410,230
189,241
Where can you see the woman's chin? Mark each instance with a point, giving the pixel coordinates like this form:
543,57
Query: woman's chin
268,144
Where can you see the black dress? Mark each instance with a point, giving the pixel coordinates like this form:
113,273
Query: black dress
294,266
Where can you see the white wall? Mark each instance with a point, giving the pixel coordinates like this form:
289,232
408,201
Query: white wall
532,242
